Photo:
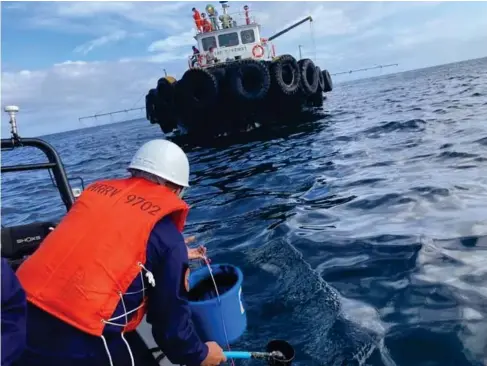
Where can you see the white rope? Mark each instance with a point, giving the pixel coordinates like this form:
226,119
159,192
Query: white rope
148,274
107,350
128,348
220,303
126,321
313,40
151,280
109,321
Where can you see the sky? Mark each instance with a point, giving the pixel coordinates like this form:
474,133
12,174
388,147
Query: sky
65,60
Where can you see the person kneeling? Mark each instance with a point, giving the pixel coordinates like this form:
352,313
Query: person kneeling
117,255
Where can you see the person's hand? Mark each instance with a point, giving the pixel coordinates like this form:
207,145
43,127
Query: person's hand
195,253
215,355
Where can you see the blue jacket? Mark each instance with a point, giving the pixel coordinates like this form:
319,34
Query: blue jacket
52,342
13,316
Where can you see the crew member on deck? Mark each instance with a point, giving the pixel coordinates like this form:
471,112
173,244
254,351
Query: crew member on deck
117,255
197,20
206,23
210,56
13,316
194,57
246,11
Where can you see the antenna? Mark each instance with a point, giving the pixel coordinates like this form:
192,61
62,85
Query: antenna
224,6
12,110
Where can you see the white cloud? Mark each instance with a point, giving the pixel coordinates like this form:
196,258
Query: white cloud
173,42
444,29
88,9
103,17
15,5
101,41
53,99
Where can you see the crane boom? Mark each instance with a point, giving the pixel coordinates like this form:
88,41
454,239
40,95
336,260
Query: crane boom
278,34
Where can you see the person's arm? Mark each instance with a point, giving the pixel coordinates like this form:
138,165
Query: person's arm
168,310
14,308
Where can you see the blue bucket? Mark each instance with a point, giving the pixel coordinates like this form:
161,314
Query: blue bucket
207,313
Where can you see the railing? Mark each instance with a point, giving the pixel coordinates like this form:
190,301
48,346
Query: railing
55,165
221,21
200,60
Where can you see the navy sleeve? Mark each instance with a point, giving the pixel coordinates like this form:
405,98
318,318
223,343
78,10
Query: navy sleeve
14,308
168,310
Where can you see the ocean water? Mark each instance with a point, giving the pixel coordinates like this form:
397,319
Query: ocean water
362,234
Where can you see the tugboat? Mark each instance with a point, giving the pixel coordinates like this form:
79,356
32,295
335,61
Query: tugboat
235,80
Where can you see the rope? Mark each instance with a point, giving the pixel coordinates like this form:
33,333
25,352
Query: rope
126,313
107,350
313,40
219,302
138,100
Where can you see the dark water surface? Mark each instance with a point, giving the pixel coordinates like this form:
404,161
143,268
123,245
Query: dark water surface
362,236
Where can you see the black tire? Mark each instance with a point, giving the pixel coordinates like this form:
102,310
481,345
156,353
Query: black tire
315,100
309,76
328,87
219,74
285,74
150,106
321,80
166,93
197,90
250,80
165,88
160,110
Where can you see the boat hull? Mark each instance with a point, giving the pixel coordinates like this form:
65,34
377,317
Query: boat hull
234,96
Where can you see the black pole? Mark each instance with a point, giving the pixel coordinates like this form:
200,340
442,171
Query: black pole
289,28
55,164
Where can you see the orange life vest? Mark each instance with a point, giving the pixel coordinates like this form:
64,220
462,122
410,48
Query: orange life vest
197,19
94,254
207,27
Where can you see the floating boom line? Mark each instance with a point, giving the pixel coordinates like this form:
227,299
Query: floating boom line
111,113
365,69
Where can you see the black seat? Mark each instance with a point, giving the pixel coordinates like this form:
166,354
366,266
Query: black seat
18,242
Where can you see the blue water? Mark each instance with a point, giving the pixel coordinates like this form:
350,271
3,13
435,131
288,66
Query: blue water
362,236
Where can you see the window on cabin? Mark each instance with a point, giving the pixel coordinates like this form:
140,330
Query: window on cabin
248,36
208,42
228,40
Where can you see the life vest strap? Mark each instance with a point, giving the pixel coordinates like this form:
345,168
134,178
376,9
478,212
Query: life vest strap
126,313
107,350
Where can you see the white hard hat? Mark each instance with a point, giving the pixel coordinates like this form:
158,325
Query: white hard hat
164,159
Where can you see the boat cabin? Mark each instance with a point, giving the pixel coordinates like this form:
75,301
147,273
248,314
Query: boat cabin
228,38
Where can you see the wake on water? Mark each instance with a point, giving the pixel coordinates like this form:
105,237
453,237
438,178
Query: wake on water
332,330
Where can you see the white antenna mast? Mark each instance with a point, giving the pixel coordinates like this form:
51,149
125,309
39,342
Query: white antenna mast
12,110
